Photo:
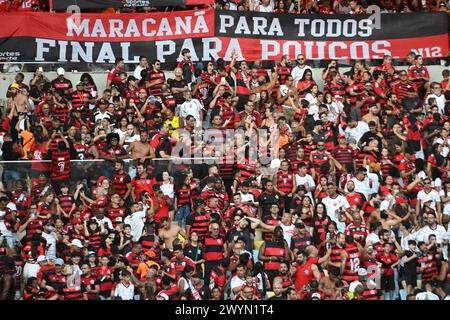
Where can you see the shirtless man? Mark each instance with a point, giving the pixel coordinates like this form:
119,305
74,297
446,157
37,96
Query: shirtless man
374,110
327,284
169,232
141,150
19,99
287,96
263,85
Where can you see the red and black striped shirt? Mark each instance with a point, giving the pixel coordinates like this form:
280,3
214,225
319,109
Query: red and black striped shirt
66,202
60,165
120,182
116,215
183,196
285,182
214,249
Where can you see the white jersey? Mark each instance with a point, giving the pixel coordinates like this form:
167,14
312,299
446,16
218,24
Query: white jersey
297,73
440,233
332,206
288,232
433,195
192,108
51,244
126,293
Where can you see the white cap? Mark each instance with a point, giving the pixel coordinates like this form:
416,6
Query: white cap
353,286
316,296
362,272
77,243
275,163
426,296
164,296
60,71
41,259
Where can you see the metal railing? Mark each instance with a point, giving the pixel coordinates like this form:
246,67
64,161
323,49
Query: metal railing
89,171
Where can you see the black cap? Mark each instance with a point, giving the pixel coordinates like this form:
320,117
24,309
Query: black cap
49,223
300,225
318,123
198,201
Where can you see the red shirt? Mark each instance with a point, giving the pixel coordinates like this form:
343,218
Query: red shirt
303,275
354,199
60,165
114,75
255,116
162,210
387,261
141,185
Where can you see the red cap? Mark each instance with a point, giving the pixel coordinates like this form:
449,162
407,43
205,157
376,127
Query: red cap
341,136
36,3
77,221
101,202
401,200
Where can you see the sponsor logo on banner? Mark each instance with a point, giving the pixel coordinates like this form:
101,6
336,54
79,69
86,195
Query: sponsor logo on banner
136,3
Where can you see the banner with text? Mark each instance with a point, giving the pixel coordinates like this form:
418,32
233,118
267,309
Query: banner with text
100,4
209,34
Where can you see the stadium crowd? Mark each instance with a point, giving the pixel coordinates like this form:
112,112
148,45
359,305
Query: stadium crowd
354,204
277,6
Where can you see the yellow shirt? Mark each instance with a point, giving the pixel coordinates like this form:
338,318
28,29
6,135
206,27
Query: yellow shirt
175,123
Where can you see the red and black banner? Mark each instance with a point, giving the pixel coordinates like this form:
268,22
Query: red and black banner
209,34
59,5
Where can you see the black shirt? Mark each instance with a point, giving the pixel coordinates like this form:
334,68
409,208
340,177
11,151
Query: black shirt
410,104
178,84
410,267
195,253
367,137
266,200
165,146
